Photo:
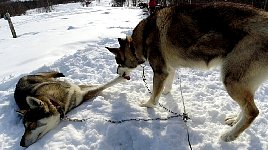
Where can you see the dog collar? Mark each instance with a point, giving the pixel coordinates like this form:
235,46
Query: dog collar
58,107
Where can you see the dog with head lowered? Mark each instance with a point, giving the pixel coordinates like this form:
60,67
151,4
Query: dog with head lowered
232,35
43,101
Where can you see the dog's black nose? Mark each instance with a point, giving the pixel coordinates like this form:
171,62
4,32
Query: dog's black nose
22,142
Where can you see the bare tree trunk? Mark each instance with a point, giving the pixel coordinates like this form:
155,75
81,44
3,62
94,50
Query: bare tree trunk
134,2
7,17
165,3
48,6
265,5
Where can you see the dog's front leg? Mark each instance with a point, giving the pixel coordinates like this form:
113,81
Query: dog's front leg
169,81
158,85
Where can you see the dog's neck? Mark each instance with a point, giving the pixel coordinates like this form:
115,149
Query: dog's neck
139,58
59,108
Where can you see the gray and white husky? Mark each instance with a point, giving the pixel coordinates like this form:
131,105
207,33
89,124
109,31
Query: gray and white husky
232,35
44,101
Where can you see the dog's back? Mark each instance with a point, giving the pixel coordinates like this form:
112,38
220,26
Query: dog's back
232,35
31,85
44,101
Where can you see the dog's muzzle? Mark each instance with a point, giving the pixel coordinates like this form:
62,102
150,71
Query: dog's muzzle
123,72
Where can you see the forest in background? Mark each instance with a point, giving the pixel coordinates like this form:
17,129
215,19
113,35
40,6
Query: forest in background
15,8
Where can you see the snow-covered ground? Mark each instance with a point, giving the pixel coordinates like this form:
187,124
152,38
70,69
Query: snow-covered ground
72,40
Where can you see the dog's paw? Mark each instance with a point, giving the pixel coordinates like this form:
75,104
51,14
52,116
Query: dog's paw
148,105
228,136
231,120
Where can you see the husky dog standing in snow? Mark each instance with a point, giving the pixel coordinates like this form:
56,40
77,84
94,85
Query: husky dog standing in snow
203,35
44,101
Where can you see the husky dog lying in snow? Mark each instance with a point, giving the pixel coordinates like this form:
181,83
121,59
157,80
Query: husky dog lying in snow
44,101
202,35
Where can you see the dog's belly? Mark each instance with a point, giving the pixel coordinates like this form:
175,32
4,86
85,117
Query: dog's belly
74,98
62,92
178,60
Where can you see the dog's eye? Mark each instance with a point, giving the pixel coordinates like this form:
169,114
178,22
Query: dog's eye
30,125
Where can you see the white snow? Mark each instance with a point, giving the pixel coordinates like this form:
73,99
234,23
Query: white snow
72,40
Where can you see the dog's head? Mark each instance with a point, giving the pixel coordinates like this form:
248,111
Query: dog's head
125,57
38,120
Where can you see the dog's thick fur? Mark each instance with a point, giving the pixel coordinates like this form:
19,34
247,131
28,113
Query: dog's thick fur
43,101
203,35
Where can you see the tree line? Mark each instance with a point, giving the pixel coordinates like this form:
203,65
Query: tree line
20,7
15,8
255,3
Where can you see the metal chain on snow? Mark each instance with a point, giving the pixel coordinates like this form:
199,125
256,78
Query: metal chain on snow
144,79
120,121
175,115
184,116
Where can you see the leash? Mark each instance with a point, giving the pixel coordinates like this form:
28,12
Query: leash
121,121
184,116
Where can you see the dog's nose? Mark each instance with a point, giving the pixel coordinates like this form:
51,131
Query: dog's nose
22,142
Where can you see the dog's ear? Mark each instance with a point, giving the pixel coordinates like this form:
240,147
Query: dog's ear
34,102
115,51
129,39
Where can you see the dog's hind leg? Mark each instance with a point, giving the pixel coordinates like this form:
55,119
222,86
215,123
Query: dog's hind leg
243,70
91,91
84,87
249,111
